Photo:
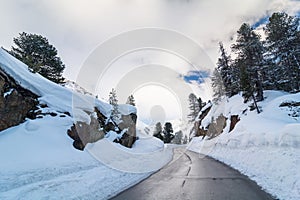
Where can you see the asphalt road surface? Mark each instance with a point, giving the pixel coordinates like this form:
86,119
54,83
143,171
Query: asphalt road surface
190,176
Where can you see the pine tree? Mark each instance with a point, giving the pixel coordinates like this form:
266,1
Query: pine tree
225,78
130,100
194,107
185,140
167,132
40,56
158,128
226,71
158,131
201,103
283,45
178,138
115,113
218,86
249,61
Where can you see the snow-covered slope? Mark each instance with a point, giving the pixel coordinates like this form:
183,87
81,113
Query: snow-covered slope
75,87
264,146
55,96
38,161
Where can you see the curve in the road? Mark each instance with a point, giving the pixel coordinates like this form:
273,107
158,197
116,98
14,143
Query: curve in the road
190,176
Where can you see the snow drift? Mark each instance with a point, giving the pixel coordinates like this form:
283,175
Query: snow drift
37,160
264,146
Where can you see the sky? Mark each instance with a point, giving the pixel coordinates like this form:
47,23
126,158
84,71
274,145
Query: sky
77,28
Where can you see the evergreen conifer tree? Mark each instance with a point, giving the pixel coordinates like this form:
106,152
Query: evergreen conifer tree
115,113
283,45
130,100
40,56
185,140
158,131
178,137
194,107
226,72
249,61
167,132
218,86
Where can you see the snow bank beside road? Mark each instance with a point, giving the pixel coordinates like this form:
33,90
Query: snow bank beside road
265,146
130,160
37,159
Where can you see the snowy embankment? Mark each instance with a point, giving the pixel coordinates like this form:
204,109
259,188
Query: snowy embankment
265,146
38,161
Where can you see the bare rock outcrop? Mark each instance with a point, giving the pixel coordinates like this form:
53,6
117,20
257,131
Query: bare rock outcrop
234,119
199,131
16,103
216,127
129,124
83,133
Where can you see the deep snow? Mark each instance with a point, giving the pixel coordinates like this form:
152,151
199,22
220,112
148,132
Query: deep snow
38,161
264,146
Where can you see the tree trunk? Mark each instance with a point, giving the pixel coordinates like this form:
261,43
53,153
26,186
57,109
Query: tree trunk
259,88
298,72
255,104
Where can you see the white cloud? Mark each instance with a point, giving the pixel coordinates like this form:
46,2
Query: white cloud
77,27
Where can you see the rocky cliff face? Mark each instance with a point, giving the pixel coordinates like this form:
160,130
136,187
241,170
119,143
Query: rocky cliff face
216,126
234,119
129,124
83,133
16,103
197,125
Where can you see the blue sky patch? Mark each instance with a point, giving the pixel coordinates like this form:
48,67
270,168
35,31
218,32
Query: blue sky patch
195,76
261,21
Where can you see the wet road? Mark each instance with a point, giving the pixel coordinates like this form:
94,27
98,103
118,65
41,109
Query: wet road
190,176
